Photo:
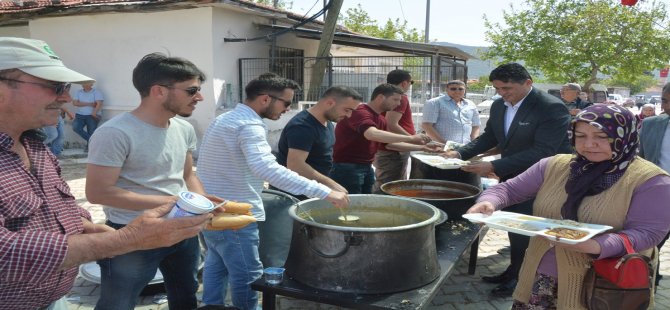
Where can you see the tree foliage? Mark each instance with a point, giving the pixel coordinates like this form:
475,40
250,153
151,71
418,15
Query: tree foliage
577,41
357,20
637,85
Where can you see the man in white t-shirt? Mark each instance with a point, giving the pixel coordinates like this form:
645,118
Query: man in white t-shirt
139,160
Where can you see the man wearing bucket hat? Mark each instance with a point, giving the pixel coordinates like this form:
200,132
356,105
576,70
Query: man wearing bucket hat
44,235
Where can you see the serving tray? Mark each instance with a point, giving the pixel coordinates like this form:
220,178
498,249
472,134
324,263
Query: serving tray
438,161
536,226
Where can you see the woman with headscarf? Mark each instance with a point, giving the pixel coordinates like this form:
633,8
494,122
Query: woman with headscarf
604,182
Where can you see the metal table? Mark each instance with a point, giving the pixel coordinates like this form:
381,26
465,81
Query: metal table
452,238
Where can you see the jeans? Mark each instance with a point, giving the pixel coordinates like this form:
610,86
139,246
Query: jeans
232,258
356,178
81,121
55,136
124,276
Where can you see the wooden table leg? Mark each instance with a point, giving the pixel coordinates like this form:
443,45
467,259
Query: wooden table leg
269,300
474,249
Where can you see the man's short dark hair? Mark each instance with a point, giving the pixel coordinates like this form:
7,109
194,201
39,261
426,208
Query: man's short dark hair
398,76
386,90
455,82
159,69
510,72
342,92
666,88
268,85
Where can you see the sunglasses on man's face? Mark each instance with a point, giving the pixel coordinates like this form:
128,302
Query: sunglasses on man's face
287,103
191,91
456,88
58,88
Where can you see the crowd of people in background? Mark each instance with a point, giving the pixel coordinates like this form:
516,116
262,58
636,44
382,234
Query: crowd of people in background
558,158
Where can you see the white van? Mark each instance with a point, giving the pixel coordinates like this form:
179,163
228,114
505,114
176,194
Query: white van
618,99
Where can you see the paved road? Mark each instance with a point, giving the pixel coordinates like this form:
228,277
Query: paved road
461,291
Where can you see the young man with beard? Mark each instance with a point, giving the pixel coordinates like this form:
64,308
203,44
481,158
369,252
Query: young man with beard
392,165
143,159
235,161
306,143
358,137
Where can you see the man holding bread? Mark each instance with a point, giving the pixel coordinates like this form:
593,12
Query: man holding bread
235,160
138,161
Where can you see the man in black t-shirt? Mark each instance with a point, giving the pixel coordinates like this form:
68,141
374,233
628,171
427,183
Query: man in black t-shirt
306,143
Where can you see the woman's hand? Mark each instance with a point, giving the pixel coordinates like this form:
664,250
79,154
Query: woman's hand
484,207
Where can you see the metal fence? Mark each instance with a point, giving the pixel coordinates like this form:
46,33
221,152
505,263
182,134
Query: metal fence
360,73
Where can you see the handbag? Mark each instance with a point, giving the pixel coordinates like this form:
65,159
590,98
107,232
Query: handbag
619,282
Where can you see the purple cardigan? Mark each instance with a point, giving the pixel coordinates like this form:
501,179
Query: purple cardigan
647,222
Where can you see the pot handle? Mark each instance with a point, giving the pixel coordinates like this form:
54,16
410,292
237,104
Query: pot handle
349,239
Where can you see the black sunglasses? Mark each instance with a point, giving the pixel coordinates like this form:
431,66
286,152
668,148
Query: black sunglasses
287,103
59,88
191,91
456,88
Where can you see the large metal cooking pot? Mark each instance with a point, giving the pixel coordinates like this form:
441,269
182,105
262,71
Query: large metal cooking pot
452,197
421,170
390,249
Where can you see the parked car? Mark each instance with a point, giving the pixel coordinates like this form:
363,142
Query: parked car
485,107
640,100
616,98
655,100
628,103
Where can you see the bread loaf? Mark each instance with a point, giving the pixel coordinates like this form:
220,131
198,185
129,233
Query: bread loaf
225,221
234,207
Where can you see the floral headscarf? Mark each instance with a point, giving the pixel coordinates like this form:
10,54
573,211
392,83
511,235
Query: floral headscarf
588,178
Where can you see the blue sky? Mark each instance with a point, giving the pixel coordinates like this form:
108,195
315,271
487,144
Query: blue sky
452,21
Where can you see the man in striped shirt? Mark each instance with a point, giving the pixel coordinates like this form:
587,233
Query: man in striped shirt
235,160
44,234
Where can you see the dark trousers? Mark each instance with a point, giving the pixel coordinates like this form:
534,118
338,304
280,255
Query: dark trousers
518,243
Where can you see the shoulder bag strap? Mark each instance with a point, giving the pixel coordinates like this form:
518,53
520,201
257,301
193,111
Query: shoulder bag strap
627,244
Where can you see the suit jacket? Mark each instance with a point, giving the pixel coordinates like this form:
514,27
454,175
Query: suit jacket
538,130
651,136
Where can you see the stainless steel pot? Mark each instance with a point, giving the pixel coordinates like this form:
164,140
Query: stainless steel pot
390,249
452,197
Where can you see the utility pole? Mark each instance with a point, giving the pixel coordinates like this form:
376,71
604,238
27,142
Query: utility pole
425,39
323,52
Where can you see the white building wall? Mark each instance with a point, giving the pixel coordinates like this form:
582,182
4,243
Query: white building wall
15,31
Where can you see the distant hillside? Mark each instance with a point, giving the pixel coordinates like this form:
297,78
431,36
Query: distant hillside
476,67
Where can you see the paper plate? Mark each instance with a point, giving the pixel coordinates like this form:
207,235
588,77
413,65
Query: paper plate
438,161
536,226
91,272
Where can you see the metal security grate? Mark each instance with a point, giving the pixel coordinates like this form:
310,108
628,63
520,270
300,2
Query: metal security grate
362,73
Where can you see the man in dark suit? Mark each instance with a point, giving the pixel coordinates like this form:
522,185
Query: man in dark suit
655,145
524,126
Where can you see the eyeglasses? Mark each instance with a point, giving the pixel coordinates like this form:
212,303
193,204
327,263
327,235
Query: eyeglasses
191,91
287,103
456,88
58,88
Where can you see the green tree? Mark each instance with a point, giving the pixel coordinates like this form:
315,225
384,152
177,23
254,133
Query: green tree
637,85
575,41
